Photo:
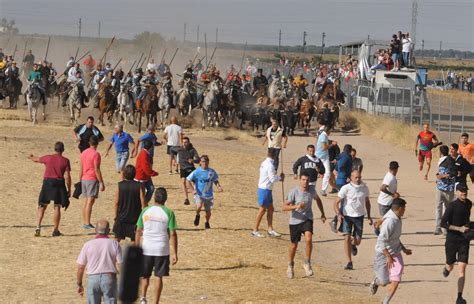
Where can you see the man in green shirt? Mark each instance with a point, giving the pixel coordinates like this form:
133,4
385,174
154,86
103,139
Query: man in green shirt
35,77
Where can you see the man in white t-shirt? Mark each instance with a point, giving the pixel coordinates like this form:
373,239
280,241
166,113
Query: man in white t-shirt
406,49
388,190
157,226
276,138
351,205
173,135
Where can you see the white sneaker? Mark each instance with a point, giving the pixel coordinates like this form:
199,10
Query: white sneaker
143,301
273,233
257,234
308,269
290,272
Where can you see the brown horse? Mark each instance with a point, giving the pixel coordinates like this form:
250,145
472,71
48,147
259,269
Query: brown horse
106,103
328,103
150,107
307,108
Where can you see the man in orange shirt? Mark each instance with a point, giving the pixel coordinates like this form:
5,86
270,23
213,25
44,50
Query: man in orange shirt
466,149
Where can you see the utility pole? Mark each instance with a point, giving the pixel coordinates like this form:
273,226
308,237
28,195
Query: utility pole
323,45
279,41
197,35
440,48
80,27
423,48
304,40
414,15
99,30
184,33
368,38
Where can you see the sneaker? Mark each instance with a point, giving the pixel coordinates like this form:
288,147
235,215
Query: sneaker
445,272
143,300
334,190
88,226
308,269
460,300
207,225
354,250
257,234
290,272
38,231
196,220
186,202
349,266
57,233
438,232
373,287
273,233
323,193
333,224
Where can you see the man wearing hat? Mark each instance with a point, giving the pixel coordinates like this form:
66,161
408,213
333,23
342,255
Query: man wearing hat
456,220
259,82
388,190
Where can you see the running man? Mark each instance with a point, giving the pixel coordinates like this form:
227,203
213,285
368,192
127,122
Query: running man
322,147
121,140
388,261
56,186
388,190
456,220
276,138
187,157
351,205
299,202
83,132
157,226
173,135
426,141
265,198
466,149
203,179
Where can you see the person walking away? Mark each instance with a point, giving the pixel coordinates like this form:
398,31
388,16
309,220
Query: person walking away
445,179
144,171
122,140
456,220
463,167
388,189
299,202
100,258
351,205
56,186
91,179
129,203
466,149
427,140
388,261
83,133
173,135
151,136
344,167
333,152
265,198
187,157
277,139
156,229
322,146
203,179
357,163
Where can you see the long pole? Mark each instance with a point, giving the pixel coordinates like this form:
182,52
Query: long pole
107,49
163,57
139,60
172,58
47,48
14,51
24,50
212,56
205,47
323,45
77,53
98,34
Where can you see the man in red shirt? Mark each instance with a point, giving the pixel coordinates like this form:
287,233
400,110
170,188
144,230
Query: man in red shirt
427,141
145,171
56,185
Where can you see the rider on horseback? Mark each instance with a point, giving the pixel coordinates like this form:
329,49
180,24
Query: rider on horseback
78,81
188,77
300,83
34,78
166,81
260,82
146,81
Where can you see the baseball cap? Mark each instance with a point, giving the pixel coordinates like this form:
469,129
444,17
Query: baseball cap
394,165
461,187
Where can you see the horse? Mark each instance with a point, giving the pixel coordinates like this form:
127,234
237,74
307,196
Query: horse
164,102
306,113
184,98
210,105
275,89
74,103
124,104
33,98
106,103
329,102
13,91
150,105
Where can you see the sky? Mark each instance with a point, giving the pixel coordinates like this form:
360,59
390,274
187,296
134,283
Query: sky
254,21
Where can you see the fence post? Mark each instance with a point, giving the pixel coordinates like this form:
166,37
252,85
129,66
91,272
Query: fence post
389,105
411,110
403,107
439,114
462,117
450,117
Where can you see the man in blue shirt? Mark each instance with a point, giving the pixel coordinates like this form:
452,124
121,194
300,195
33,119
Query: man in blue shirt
121,141
202,180
149,135
344,167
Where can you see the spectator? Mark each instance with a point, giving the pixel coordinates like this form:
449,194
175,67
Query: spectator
466,149
344,167
406,47
388,190
445,178
395,45
149,135
121,140
173,135
144,172
101,257
463,167
83,132
187,157
356,161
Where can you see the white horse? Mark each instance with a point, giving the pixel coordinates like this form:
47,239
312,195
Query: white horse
184,99
33,98
124,103
164,103
74,104
210,104
274,89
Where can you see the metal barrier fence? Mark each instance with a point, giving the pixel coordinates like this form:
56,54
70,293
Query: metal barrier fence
448,116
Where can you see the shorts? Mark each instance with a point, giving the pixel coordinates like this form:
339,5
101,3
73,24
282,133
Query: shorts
172,150
183,173
265,197
424,154
457,250
53,190
350,223
90,188
207,202
385,275
123,230
161,264
297,230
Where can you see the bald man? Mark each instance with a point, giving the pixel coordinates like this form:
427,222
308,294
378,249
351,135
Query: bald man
173,135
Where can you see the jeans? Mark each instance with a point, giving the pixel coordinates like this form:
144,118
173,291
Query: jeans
149,189
121,160
395,57
100,286
327,174
406,58
443,198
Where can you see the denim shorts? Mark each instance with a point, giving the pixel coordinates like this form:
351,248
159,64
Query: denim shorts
353,224
121,160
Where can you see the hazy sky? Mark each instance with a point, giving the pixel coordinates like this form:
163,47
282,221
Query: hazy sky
255,21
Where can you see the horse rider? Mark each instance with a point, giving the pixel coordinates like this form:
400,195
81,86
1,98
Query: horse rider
108,68
202,84
187,76
166,81
45,75
3,67
319,82
72,71
76,80
246,86
70,63
35,78
136,87
274,76
163,68
28,62
198,67
147,80
300,83
260,82
12,74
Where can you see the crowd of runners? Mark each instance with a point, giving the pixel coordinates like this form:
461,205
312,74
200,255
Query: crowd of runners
141,214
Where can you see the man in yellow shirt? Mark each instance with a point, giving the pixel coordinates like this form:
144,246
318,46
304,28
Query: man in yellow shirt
466,149
300,83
